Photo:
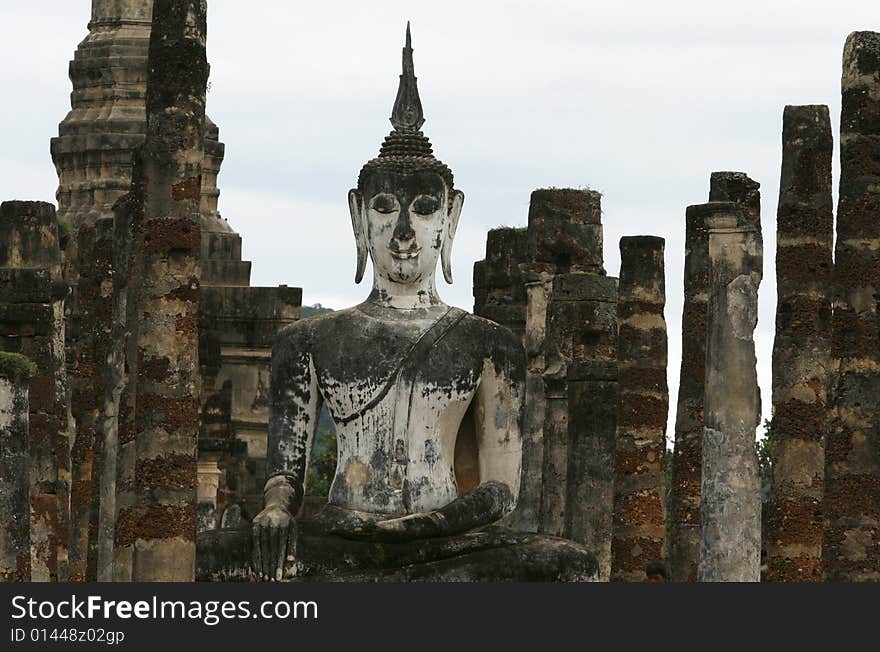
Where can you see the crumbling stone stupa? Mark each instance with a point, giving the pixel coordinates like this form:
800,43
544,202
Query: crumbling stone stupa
730,499
851,504
642,410
802,348
92,152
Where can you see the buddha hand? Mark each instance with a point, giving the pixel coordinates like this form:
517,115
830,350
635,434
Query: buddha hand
273,538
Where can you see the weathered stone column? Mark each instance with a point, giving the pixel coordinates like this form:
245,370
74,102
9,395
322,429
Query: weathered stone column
642,410
88,388
588,305
162,524
116,552
684,499
500,295
499,291
528,513
730,508
738,188
32,323
15,534
687,460
802,349
851,542
564,237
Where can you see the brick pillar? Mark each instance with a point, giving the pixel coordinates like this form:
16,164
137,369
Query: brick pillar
851,542
115,561
88,388
585,306
730,500
161,524
15,535
642,410
802,348
687,464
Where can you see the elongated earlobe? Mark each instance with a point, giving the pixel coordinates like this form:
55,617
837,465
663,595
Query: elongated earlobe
452,225
355,206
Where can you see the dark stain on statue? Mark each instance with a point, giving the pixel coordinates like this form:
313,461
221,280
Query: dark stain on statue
432,455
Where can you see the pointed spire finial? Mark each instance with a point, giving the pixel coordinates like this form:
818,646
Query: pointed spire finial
407,115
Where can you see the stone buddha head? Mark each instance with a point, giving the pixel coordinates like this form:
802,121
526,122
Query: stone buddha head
405,208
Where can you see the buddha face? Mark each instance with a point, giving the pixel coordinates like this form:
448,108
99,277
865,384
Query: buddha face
407,221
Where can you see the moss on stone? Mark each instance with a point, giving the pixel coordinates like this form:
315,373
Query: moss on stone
15,367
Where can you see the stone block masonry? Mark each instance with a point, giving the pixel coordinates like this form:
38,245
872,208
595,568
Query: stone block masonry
638,530
730,493
802,348
851,505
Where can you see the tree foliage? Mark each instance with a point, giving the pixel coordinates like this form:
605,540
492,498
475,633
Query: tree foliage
323,464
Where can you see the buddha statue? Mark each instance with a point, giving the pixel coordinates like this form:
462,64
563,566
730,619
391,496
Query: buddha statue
427,401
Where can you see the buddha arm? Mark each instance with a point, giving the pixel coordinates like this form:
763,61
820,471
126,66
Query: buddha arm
499,406
294,405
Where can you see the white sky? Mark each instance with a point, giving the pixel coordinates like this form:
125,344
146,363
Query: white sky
640,100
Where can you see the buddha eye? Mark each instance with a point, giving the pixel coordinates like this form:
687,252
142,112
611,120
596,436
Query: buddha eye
425,205
384,204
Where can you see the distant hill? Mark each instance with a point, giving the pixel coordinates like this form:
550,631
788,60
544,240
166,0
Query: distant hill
317,309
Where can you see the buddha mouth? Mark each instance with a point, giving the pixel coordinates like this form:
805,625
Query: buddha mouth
405,255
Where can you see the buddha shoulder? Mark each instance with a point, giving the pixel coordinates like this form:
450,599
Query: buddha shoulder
306,331
489,340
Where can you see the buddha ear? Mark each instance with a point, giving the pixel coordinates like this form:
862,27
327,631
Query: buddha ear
356,207
455,205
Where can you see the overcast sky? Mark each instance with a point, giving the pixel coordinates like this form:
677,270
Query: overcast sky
640,100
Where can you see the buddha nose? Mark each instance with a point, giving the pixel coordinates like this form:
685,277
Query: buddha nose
403,230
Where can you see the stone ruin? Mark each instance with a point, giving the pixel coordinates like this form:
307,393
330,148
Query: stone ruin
135,365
